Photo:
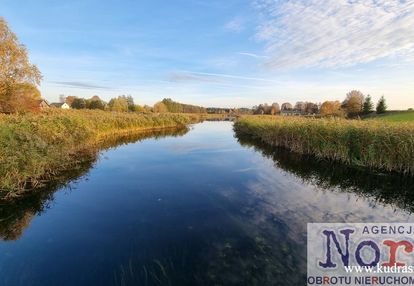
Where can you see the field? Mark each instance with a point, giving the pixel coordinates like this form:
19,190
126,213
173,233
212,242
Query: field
398,116
36,147
371,143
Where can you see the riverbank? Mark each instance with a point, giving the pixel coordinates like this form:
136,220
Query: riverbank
373,144
36,147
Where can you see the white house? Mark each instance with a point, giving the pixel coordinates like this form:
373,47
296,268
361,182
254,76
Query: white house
60,105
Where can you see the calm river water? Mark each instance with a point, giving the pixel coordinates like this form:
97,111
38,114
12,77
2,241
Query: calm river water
201,207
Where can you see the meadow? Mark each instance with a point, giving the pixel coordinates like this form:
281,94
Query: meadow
34,147
403,116
374,144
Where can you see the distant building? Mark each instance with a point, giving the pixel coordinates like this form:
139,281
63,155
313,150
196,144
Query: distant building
43,104
290,112
61,105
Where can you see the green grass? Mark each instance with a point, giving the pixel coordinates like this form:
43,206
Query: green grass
398,117
36,147
371,143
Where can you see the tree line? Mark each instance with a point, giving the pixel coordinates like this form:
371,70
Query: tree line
355,104
122,103
125,103
168,105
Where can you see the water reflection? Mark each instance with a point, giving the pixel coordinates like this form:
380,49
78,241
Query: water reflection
384,188
16,216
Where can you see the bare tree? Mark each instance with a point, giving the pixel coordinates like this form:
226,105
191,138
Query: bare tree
275,108
287,106
311,108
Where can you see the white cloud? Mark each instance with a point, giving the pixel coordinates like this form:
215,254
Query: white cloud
252,55
80,85
178,76
335,33
184,76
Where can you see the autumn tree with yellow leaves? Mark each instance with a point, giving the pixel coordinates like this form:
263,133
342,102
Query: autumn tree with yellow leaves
18,77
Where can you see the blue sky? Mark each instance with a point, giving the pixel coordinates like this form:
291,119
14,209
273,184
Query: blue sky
220,53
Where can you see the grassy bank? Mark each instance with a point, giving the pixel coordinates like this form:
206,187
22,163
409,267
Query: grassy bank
373,144
402,116
35,147
391,116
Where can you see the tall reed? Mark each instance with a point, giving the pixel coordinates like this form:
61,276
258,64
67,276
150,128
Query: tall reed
374,144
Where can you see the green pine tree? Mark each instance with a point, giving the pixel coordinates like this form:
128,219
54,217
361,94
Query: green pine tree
381,106
368,105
